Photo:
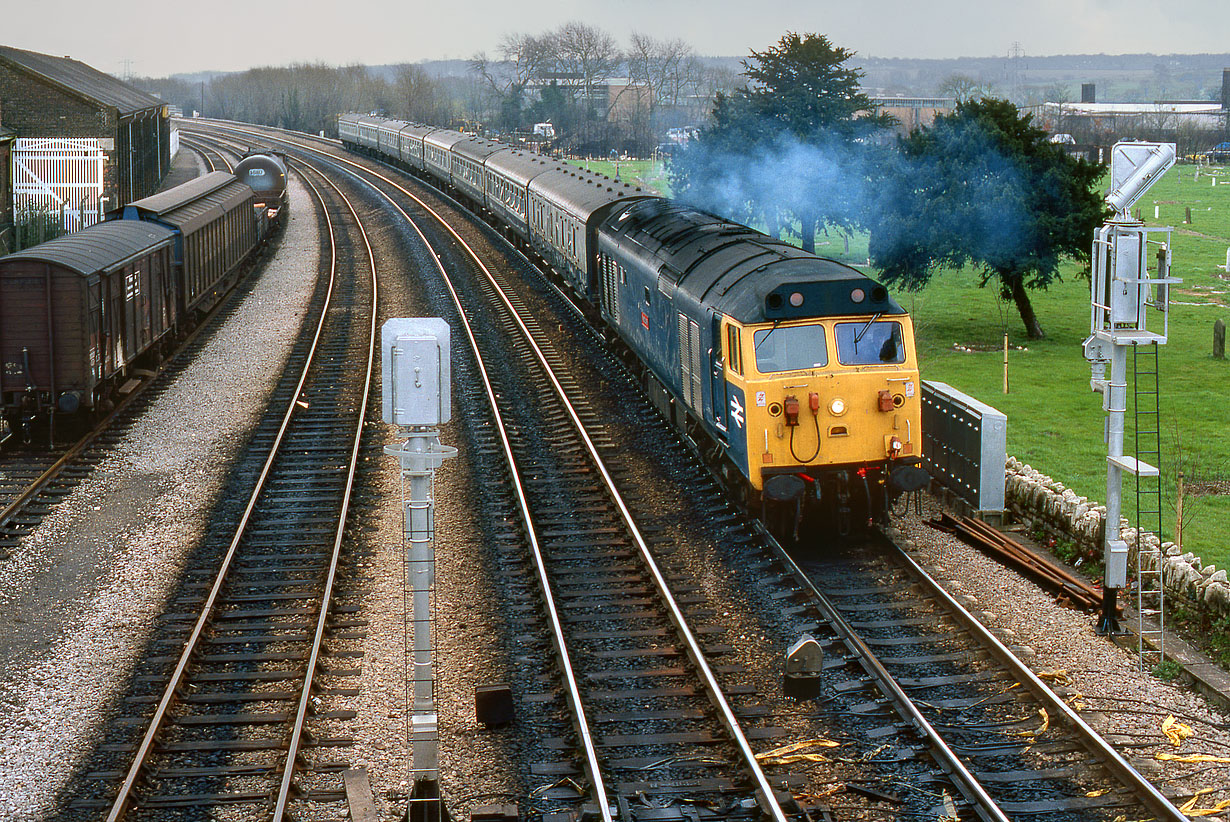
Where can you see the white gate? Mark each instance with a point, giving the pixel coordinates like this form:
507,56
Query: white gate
61,178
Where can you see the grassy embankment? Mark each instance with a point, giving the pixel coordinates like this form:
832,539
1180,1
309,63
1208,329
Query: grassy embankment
1054,420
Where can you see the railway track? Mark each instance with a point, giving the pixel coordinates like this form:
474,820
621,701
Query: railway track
227,710
213,156
590,558
587,576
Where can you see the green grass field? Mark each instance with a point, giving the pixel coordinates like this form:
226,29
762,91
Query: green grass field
649,174
1054,420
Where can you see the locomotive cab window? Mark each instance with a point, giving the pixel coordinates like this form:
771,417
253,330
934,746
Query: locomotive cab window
870,342
734,351
791,348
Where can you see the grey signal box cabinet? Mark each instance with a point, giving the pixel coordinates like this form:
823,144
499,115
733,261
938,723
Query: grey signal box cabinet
415,372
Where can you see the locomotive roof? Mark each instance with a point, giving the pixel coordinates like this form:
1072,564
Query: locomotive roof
100,247
740,272
579,191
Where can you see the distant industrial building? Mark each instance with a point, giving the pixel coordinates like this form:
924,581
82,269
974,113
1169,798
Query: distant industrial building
1194,125
913,112
85,142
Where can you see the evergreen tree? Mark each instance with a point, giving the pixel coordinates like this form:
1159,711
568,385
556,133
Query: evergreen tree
792,144
985,186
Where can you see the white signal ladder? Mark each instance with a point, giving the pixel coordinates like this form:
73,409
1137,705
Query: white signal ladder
1150,593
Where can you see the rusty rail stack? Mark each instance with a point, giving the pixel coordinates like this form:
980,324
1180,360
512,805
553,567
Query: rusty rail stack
1068,588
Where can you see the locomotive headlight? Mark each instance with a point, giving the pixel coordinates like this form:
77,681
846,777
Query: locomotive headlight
796,299
837,407
858,295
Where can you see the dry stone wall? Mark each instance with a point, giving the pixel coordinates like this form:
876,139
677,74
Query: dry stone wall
1046,504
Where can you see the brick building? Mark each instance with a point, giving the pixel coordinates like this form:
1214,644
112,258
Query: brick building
6,190
71,122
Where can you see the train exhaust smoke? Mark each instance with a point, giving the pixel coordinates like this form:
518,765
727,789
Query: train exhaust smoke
844,184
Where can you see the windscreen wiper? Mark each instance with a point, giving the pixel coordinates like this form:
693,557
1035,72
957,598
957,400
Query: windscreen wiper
863,331
756,347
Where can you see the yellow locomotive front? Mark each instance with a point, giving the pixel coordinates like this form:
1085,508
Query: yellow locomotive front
832,408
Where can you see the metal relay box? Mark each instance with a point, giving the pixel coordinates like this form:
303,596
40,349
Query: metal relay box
415,371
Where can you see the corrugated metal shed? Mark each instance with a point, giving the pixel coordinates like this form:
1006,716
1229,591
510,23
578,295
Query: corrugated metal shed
81,79
99,248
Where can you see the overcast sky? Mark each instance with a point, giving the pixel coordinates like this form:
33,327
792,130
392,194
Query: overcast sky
159,38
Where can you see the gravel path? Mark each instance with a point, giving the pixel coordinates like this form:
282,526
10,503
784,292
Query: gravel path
79,595
1104,681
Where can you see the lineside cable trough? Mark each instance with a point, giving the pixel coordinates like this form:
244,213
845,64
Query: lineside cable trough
416,380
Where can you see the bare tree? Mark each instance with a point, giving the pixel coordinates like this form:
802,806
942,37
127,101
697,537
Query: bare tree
962,88
418,97
523,59
708,82
661,65
586,54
